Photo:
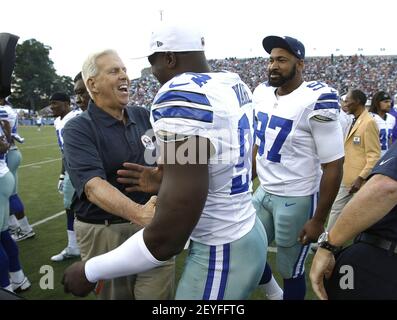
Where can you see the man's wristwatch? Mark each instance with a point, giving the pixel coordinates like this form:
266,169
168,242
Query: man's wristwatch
323,243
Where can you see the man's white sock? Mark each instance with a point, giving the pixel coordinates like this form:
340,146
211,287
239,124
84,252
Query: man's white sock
272,290
13,221
24,224
17,277
72,242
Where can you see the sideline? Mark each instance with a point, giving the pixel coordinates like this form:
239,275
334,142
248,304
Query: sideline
48,219
41,162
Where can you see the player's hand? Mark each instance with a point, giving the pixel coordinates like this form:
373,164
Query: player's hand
74,280
356,185
6,128
4,145
312,229
140,178
146,213
322,266
60,183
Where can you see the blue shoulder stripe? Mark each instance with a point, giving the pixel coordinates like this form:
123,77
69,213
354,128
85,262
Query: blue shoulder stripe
328,96
326,105
183,112
187,96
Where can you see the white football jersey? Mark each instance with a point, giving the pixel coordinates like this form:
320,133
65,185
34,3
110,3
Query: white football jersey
9,114
216,106
59,124
346,121
385,130
287,162
3,161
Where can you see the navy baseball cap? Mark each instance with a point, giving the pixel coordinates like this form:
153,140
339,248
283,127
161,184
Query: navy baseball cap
60,96
290,44
384,96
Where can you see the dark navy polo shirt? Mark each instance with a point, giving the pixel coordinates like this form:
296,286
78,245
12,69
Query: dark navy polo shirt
96,145
387,166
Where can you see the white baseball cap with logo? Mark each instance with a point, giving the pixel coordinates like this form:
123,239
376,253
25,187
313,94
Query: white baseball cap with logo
175,38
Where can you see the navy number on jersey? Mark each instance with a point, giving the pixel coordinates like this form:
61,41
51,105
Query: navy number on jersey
316,85
199,78
241,182
285,126
385,138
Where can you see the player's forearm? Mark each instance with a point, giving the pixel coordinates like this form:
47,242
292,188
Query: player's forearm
4,146
110,199
179,206
329,187
254,153
372,202
131,257
6,129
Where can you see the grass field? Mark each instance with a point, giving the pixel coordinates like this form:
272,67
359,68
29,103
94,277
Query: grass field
38,178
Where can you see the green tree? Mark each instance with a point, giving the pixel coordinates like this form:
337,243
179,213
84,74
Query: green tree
34,78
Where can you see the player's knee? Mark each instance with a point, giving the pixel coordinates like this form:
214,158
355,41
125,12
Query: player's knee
285,239
67,202
256,202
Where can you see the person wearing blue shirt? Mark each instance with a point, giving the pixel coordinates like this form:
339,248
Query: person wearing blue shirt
370,217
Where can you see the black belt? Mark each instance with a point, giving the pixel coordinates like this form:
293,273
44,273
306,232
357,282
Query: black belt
102,221
378,242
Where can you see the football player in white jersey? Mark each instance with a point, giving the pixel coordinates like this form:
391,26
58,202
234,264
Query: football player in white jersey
380,108
12,277
299,157
82,96
204,195
20,228
60,106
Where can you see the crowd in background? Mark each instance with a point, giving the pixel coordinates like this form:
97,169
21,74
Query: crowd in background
369,73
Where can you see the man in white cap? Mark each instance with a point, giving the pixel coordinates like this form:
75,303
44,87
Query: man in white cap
205,195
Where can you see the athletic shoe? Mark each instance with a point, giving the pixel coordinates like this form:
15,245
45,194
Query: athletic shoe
21,286
12,230
67,253
20,235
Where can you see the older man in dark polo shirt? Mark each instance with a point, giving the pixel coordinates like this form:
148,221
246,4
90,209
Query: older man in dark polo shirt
97,143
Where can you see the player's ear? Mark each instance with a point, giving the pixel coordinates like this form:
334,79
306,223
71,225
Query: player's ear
170,59
300,64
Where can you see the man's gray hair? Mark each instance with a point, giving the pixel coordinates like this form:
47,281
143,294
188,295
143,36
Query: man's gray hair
90,69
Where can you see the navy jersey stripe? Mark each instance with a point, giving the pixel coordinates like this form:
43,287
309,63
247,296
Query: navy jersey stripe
183,112
187,96
326,105
328,96
211,272
225,271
